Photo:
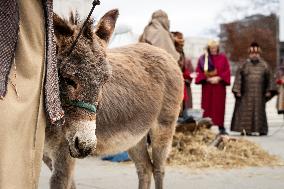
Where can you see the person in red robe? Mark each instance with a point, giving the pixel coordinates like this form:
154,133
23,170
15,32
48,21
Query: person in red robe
186,68
213,73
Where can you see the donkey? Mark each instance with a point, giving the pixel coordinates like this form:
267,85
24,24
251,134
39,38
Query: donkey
112,100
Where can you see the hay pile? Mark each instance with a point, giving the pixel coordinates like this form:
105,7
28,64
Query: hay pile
203,149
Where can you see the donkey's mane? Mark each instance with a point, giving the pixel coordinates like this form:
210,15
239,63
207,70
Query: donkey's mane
75,19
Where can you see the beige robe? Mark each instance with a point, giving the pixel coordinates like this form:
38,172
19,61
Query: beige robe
280,98
22,119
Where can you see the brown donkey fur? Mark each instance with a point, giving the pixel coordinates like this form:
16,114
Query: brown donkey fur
138,89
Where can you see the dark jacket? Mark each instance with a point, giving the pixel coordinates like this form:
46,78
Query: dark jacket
9,27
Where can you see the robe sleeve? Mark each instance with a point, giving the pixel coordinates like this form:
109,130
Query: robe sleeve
187,77
201,77
188,65
271,84
225,73
238,81
186,74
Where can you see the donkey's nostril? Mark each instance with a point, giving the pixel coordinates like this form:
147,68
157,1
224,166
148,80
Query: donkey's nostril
81,148
88,151
71,82
77,146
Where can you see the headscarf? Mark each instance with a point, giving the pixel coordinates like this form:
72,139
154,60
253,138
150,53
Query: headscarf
178,41
162,18
157,33
254,48
206,62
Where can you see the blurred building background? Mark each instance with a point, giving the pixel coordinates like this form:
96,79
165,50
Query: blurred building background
235,38
235,22
194,47
123,35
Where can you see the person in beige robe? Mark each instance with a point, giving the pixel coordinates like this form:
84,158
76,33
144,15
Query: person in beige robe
28,90
157,33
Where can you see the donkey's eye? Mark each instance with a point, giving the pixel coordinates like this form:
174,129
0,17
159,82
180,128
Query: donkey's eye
70,82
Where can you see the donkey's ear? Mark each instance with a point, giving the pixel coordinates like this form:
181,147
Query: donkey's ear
61,27
106,25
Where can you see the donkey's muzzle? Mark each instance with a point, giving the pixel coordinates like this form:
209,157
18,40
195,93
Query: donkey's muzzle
84,141
80,149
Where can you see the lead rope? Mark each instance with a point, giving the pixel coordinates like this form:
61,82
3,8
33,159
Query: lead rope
95,3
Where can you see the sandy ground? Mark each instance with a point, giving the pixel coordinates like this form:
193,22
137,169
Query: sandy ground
94,173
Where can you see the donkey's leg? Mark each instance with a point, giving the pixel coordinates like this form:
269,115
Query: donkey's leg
48,161
142,161
161,137
63,169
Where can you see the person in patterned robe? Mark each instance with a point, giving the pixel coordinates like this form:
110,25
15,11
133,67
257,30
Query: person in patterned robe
254,85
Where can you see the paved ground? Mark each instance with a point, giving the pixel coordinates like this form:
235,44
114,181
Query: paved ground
93,173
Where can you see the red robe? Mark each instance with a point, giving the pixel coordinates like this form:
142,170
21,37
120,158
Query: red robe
186,76
188,79
214,95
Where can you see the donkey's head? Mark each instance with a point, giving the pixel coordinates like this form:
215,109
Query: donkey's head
82,74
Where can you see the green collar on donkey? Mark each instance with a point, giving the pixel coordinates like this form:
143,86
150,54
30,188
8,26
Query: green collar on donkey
80,104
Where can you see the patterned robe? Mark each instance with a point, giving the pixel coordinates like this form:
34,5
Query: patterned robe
9,29
253,81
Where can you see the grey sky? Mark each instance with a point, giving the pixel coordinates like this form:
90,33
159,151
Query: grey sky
188,16
192,17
